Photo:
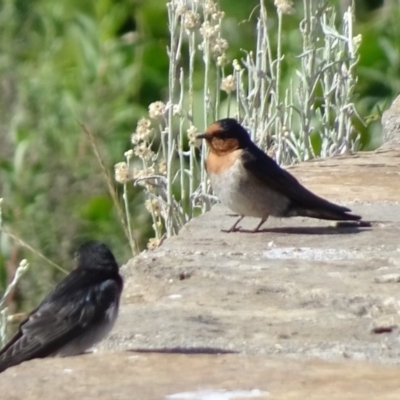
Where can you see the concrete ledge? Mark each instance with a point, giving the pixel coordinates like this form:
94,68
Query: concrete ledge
308,310
128,376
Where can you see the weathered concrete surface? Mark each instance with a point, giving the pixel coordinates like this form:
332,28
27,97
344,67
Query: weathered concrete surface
128,376
300,291
391,124
301,288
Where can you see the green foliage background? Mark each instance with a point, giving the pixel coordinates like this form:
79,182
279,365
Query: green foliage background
101,63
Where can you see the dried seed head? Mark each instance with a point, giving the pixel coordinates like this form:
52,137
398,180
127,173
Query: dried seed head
128,154
180,10
191,20
143,131
153,206
153,243
218,15
228,84
222,60
219,46
142,173
191,134
156,110
210,7
209,31
135,139
143,126
236,65
140,150
121,171
178,6
162,168
143,151
284,6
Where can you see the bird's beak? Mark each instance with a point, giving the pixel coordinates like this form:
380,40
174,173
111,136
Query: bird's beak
201,136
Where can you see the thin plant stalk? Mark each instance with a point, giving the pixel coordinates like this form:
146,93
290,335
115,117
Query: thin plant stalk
127,214
109,183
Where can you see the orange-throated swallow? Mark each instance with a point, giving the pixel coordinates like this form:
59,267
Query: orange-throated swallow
80,311
252,184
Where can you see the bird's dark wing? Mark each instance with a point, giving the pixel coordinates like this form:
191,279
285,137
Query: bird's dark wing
60,318
302,201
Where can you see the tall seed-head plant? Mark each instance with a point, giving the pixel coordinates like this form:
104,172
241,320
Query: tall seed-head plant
22,268
309,117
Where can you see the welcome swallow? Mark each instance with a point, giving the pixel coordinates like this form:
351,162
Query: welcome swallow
252,184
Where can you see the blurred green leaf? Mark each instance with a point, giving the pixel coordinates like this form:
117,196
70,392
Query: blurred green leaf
98,208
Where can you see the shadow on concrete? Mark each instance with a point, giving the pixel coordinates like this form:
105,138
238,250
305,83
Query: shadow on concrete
312,230
185,350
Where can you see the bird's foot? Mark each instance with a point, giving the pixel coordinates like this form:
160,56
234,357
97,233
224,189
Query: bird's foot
234,227
256,230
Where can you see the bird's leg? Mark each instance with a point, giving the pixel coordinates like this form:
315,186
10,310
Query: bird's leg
233,228
260,224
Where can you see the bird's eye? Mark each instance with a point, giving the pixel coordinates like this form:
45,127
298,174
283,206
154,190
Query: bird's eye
222,135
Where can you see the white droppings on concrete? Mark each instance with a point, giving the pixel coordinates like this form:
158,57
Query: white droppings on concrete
388,278
309,253
219,394
68,371
175,296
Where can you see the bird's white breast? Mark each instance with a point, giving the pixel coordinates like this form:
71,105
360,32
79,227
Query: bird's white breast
246,195
93,335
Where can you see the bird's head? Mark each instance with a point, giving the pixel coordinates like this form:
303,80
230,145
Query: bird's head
225,136
95,255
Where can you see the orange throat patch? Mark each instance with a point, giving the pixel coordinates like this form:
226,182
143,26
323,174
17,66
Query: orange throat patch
219,163
222,146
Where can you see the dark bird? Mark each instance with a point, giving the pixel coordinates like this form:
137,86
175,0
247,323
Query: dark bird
78,313
252,184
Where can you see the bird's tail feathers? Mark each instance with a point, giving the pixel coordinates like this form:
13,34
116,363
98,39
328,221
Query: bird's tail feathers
334,215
